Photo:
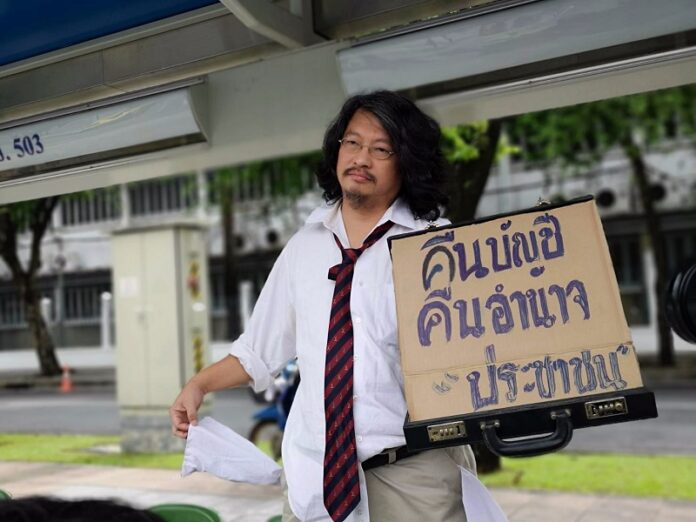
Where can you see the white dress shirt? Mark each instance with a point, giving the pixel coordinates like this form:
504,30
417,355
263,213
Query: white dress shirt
291,318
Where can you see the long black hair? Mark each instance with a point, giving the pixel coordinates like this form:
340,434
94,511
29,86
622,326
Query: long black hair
415,138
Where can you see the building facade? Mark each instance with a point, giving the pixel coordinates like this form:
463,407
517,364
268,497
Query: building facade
76,255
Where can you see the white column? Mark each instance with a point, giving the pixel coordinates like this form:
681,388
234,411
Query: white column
202,187
650,275
46,310
57,216
245,302
105,321
125,206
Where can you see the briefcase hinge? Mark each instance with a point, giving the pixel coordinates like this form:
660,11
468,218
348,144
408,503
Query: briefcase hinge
446,431
606,408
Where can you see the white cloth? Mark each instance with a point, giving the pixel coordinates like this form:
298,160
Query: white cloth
216,449
479,504
290,319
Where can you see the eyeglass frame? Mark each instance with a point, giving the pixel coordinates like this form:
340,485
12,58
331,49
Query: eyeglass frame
369,149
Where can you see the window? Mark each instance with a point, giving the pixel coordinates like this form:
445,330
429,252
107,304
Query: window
161,196
681,246
627,257
12,308
91,207
83,301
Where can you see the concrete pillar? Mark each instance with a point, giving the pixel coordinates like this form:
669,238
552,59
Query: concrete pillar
162,327
246,301
105,322
46,310
202,189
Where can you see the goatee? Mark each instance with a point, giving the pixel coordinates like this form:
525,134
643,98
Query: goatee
354,199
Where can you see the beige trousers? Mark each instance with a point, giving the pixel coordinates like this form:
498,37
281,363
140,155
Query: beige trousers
425,487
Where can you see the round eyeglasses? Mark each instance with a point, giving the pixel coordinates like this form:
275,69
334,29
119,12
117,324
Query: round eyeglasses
353,147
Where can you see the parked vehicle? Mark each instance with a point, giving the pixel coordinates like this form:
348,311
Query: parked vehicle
267,432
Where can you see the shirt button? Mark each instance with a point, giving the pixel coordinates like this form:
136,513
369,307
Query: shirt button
359,438
355,398
357,320
358,511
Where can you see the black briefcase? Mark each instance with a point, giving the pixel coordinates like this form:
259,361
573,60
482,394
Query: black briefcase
512,332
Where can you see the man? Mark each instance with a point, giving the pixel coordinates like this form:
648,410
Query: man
329,301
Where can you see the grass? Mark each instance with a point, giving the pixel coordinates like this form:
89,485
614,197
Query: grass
634,475
78,449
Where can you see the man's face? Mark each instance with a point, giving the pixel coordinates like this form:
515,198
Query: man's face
363,178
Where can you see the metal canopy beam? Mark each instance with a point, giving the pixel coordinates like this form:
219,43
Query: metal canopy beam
274,22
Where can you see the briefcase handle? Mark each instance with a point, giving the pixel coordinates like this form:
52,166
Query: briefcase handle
533,446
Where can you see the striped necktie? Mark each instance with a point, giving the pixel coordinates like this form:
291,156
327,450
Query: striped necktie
341,485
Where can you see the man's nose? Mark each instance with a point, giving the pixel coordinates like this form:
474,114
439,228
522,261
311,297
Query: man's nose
362,157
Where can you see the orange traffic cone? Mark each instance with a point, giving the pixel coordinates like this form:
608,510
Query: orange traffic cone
66,385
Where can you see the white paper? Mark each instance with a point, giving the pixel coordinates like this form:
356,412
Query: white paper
218,450
479,504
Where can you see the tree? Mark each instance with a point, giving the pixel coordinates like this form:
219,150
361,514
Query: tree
471,151
580,135
33,216
225,183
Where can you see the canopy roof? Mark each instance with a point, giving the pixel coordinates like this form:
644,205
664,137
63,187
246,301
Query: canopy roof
275,73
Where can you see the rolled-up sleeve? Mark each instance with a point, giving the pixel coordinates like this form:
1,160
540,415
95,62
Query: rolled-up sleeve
268,342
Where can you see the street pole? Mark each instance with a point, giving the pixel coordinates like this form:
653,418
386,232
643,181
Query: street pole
105,320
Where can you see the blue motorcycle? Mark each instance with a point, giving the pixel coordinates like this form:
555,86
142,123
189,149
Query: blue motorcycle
267,431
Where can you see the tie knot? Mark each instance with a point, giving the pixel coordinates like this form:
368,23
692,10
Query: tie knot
351,255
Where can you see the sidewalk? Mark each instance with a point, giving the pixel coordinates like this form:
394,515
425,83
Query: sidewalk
241,502
88,367
96,367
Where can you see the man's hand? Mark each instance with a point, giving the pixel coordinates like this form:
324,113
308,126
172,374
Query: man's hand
184,411
226,373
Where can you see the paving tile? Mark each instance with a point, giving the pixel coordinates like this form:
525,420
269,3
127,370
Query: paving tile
250,503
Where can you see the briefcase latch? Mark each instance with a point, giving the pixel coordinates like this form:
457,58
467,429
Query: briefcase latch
446,431
606,408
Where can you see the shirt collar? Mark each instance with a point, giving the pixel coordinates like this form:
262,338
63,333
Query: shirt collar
329,215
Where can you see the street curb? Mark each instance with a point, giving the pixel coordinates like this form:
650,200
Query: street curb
81,378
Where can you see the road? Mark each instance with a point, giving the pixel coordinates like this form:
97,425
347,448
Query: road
96,412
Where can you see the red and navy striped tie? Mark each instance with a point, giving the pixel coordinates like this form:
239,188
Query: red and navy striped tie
341,485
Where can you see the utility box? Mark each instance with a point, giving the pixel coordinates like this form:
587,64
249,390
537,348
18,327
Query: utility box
162,327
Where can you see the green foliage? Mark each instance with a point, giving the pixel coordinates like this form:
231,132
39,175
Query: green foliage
464,143
580,135
283,176
461,144
635,475
21,213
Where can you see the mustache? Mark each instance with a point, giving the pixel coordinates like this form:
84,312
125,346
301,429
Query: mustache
362,172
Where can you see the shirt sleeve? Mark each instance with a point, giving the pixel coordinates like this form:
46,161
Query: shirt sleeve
268,342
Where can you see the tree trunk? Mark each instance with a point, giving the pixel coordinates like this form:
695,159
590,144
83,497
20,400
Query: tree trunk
467,181
230,260
43,343
486,460
38,215
657,245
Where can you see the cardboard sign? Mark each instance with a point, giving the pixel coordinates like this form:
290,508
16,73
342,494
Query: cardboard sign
510,311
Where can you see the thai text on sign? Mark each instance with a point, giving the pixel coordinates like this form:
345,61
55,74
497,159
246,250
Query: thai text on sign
511,311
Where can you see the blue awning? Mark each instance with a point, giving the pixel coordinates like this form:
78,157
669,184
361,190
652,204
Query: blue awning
33,27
